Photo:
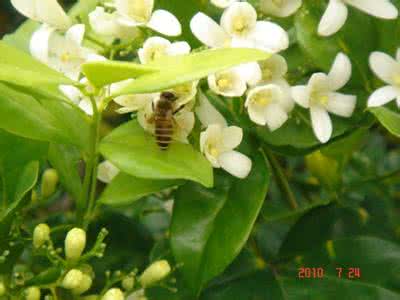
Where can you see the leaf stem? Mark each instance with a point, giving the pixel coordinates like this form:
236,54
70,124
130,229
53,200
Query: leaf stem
282,180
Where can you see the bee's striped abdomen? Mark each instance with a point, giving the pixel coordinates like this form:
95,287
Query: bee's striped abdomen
163,131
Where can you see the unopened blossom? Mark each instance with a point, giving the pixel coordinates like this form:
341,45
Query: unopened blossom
388,70
107,171
32,293
113,294
222,3
336,13
322,98
140,13
44,11
156,272
75,243
239,28
269,105
106,24
72,279
41,234
280,8
156,47
63,53
217,144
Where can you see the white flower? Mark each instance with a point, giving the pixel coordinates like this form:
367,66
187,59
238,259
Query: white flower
217,143
229,83
104,23
63,53
388,70
336,13
44,11
206,112
320,97
156,47
273,68
280,8
223,3
106,171
140,13
239,28
269,105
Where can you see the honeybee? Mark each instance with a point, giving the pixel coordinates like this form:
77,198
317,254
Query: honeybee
163,118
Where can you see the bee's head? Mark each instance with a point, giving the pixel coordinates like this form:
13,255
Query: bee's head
171,97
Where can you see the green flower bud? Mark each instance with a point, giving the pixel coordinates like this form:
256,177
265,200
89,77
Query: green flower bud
41,234
154,273
75,243
72,280
324,168
2,288
113,294
32,293
128,283
49,182
84,285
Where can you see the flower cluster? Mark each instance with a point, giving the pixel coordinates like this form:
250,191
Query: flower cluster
262,86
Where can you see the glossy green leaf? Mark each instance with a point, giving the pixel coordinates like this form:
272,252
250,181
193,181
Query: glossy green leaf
125,189
135,152
105,72
176,70
65,159
210,226
46,277
389,119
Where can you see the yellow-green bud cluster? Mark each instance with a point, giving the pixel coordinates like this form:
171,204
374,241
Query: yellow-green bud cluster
32,293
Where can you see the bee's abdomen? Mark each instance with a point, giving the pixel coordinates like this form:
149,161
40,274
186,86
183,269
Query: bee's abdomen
163,131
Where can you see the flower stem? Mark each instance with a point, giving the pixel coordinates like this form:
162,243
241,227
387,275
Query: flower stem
282,180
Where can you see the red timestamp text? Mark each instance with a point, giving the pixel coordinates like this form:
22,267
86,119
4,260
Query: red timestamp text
319,273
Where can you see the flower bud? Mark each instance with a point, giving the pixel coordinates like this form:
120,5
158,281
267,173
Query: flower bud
49,182
128,283
41,234
324,168
154,273
84,285
2,288
73,279
113,294
32,293
75,243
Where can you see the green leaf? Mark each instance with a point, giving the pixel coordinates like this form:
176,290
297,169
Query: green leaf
21,37
389,119
46,277
210,226
135,152
65,159
176,70
125,189
105,72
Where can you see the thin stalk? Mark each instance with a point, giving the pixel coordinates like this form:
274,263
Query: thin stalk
282,180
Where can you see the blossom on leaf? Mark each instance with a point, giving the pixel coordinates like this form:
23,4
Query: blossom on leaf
321,98
217,144
107,171
63,53
140,13
388,70
280,8
156,47
336,13
44,11
269,105
239,28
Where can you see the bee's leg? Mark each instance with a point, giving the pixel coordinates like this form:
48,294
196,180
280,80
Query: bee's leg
178,109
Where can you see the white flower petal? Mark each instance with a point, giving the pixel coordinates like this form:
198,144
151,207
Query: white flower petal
208,31
164,22
39,43
222,3
227,83
134,102
137,11
250,72
341,105
340,72
319,82
301,95
72,93
178,48
283,8
286,100
333,19
380,9
153,48
210,140
184,121
270,37
103,23
235,163
106,171
273,68
321,123
75,34
384,66
275,116
207,113
86,106
398,55
239,19
383,95
231,137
